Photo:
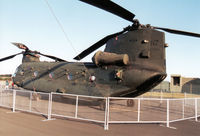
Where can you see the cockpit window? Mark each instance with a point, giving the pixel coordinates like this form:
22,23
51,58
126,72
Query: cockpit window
18,70
15,72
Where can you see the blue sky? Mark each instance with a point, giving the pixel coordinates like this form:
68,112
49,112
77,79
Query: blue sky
31,23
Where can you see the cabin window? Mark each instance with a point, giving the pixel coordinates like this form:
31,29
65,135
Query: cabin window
69,76
51,75
19,70
35,73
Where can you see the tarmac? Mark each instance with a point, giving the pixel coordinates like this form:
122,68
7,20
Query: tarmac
26,124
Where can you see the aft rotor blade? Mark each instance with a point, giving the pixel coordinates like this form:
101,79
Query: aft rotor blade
112,8
178,32
52,57
97,45
20,45
10,57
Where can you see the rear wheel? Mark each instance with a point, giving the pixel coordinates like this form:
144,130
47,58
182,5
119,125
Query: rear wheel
130,103
102,105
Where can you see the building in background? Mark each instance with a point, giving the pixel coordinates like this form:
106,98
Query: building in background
185,84
179,84
4,78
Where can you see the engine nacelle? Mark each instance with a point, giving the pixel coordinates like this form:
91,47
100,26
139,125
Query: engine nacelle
105,58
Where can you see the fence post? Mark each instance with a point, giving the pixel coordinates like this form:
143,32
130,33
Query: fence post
183,108
30,103
0,97
138,110
14,100
106,123
50,106
196,119
76,113
167,112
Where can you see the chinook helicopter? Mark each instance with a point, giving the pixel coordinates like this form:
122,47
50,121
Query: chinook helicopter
132,63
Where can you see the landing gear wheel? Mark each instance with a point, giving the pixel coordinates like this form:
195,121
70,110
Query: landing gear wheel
130,103
102,105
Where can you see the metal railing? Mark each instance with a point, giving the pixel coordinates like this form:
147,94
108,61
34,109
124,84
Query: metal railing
153,110
105,110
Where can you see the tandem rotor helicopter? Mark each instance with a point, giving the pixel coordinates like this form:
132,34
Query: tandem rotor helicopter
132,63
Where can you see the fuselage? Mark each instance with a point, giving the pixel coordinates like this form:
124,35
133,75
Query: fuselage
145,49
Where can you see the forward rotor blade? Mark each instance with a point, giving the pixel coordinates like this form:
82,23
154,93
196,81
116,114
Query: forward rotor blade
178,32
112,8
10,57
49,56
20,45
97,45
